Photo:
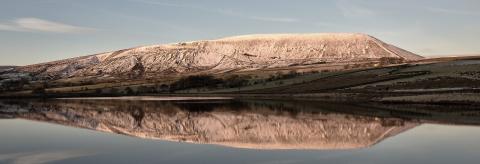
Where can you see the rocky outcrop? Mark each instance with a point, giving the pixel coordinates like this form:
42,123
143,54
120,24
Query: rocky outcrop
234,53
238,125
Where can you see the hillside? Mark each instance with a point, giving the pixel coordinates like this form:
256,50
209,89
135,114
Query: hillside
248,52
6,68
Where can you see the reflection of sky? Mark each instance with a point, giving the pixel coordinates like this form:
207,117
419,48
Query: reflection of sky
22,140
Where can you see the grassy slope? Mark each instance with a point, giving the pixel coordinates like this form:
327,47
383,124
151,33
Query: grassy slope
432,80
430,76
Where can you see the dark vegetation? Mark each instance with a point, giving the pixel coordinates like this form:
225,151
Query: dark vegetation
437,82
390,60
14,85
475,74
209,82
196,81
384,61
39,90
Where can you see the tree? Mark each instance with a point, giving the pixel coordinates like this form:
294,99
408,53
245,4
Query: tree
14,85
129,91
39,90
195,81
290,74
236,81
113,91
163,88
390,60
146,89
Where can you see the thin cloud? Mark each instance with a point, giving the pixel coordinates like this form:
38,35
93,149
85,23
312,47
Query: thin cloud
167,4
453,11
220,11
274,19
350,9
326,24
6,27
41,25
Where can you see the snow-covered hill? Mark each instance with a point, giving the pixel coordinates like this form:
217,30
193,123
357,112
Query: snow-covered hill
233,53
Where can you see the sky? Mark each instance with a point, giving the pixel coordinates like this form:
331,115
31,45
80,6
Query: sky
34,31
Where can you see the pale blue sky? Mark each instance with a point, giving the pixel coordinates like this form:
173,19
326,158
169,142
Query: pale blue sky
33,31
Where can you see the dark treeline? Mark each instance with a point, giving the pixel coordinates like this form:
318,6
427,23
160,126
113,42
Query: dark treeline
208,81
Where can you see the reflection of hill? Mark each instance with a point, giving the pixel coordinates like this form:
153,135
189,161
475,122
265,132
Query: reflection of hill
236,124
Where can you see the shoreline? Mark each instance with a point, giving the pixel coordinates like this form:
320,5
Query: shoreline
449,98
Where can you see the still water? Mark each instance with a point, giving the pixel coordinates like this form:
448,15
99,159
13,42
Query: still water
222,130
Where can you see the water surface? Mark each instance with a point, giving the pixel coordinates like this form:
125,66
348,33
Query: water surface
234,131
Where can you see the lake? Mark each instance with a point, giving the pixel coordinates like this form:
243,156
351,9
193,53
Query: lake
226,130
